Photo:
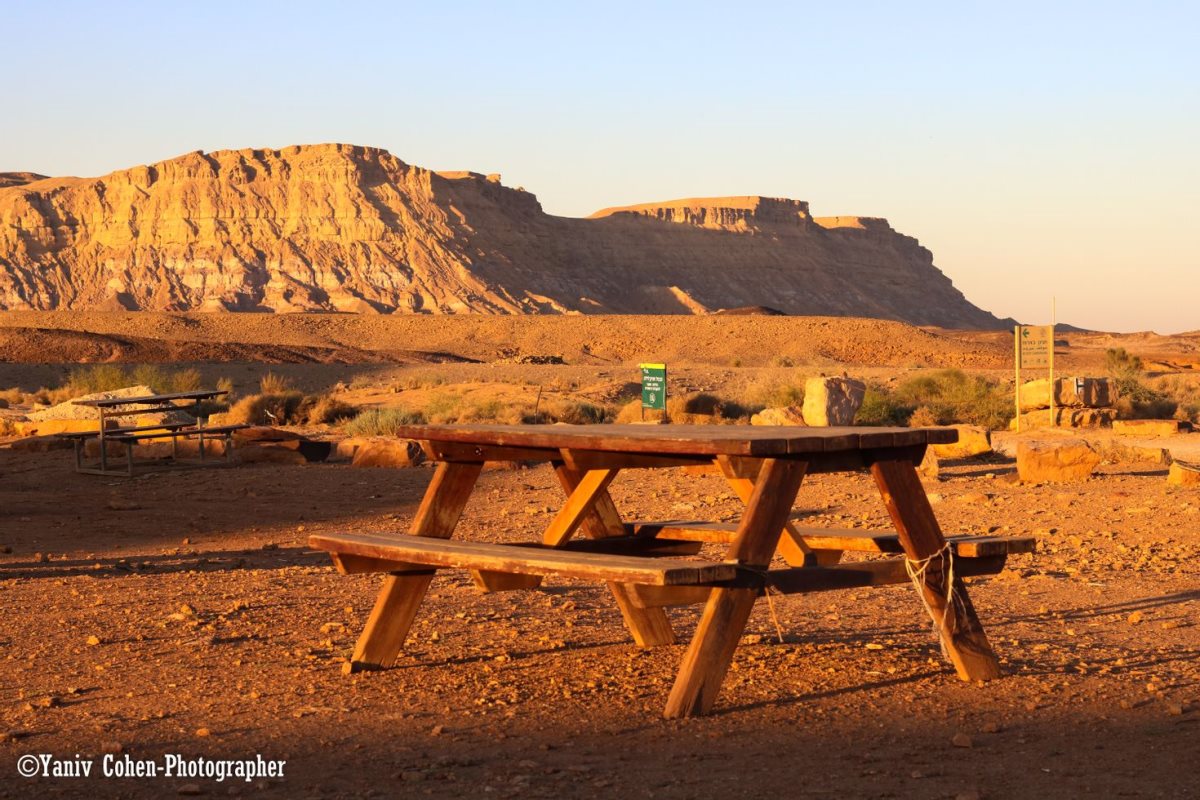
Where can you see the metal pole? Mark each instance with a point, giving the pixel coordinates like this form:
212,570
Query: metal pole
1017,362
1053,321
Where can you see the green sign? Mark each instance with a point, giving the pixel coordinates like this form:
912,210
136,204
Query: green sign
654,385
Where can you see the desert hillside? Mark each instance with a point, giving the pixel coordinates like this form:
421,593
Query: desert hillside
346,228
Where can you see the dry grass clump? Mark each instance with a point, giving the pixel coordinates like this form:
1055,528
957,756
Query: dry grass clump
701,408
328,410
950,396
773,393
266,409
382,421
570,412
1184,392
272,384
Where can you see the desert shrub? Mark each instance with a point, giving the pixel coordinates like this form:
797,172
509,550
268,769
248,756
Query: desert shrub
96,378
164,381
783,361
108,377
1135,398
12,396
773,394
951,396
576,412
421,380
1185,394
328,410
7,428
270,409
880,407
272,384
382,421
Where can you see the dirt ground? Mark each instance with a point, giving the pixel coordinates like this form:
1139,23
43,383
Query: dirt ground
181,612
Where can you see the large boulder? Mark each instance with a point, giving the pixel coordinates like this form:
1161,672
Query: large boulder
1182,474
1068,418
787,415
1069,393
287,451
1056,462
973,440
40,444
384,452
1148,427
832,401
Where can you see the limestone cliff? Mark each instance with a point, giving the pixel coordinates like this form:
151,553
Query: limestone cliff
347,228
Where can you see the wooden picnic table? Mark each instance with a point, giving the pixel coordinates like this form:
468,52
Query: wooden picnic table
113,407
650,566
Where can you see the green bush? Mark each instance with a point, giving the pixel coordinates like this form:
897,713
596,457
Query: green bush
1136,399
880,407
773,394
950,396
383,421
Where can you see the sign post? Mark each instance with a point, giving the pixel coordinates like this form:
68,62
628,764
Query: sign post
654,387
1034,350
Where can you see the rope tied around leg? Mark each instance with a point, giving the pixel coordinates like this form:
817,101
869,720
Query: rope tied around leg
767,588
917,573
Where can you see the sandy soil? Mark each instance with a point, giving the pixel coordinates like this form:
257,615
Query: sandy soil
541,693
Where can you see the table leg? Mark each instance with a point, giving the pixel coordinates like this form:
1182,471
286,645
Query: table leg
921,536
401,596
103,445
791,547
727,610
600,519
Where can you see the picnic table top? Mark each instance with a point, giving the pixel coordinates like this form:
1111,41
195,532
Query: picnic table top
110,402
739,440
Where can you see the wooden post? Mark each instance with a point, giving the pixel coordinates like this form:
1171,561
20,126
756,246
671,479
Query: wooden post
727,610
1017,362
921,537
401,596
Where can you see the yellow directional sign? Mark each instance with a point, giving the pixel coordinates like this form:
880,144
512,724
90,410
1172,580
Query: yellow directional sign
1035,346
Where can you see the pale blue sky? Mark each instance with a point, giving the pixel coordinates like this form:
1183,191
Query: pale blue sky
1037,149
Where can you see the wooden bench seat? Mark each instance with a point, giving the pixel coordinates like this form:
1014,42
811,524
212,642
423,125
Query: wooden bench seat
405,553
187,430
845,539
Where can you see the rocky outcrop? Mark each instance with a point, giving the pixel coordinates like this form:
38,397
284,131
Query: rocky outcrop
354,229
1056,462
832,401
973,441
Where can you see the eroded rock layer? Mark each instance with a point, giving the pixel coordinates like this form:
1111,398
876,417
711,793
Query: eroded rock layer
346,228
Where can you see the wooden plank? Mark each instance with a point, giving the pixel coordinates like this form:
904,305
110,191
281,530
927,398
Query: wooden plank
351,564
489,581
584,460
667,596
109,402
847,539
456,451
921,537
579,505
401,595
526,560
727,609
861,574
799,580
695,440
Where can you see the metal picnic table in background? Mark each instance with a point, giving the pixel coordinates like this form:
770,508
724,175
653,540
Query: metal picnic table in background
648,566
114,407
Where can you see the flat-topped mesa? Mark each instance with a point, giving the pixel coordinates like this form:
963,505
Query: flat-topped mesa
725,213
19,178
339,227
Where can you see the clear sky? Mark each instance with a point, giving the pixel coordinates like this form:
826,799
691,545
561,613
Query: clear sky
1038,149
